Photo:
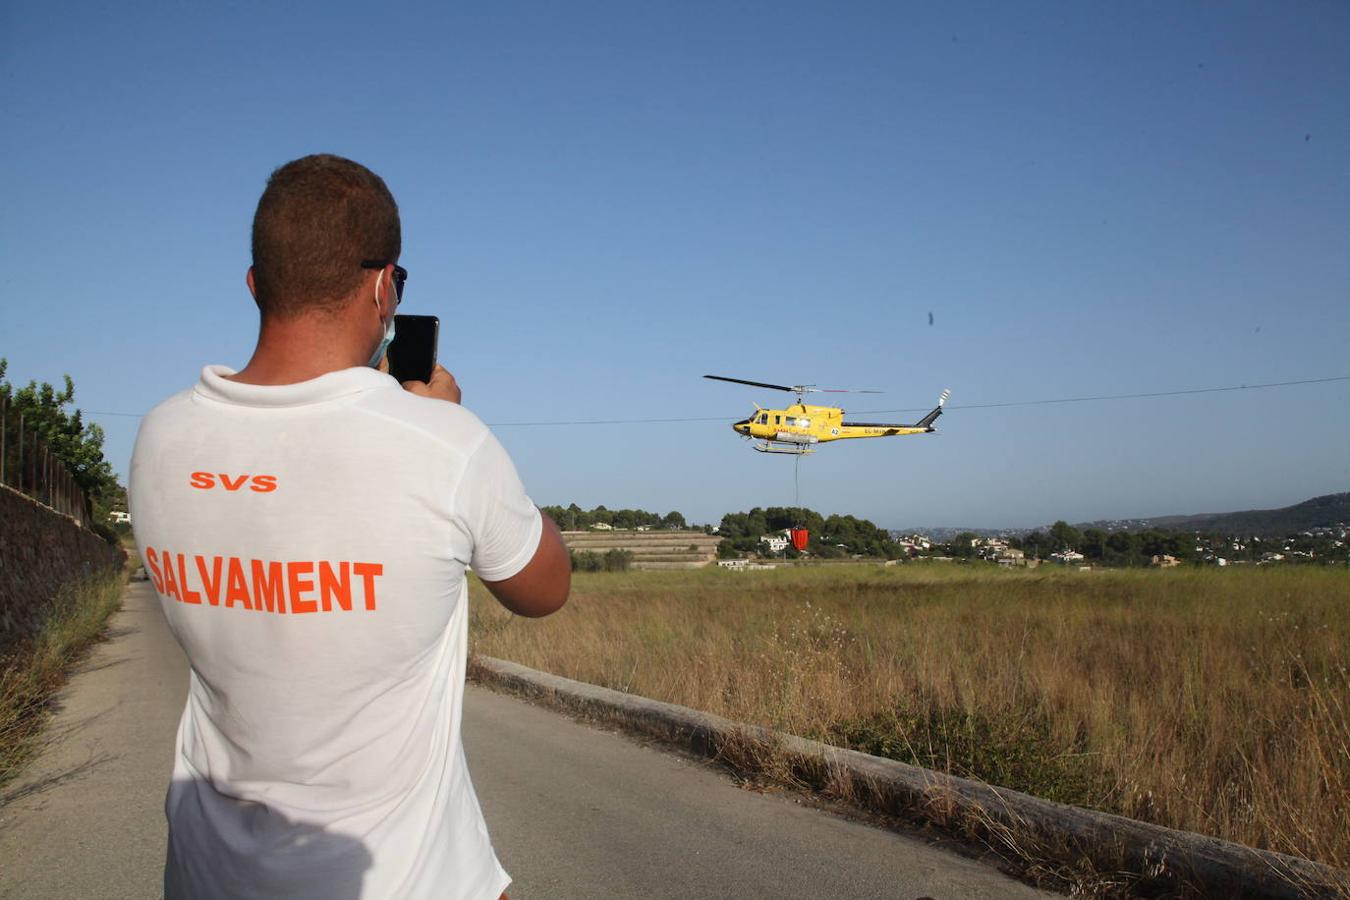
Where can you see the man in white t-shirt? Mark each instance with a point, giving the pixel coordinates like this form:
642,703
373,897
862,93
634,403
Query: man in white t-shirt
307,523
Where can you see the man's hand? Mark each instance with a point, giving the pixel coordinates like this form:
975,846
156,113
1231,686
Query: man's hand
442,386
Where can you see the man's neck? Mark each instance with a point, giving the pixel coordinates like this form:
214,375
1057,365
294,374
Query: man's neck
300,349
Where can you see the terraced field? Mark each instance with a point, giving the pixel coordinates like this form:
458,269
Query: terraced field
650,549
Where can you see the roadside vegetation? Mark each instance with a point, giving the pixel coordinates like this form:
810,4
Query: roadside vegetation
1212,700
32,671
43,411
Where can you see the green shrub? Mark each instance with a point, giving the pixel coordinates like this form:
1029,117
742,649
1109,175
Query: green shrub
618,560
586,561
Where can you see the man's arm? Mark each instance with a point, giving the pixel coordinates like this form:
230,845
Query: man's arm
541,587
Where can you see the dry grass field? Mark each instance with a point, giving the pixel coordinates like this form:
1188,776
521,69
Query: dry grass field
32,673
1210,700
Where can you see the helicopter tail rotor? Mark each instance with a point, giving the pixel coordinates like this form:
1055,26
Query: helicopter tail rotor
928,420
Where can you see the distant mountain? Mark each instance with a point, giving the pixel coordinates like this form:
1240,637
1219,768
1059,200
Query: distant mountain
1319,512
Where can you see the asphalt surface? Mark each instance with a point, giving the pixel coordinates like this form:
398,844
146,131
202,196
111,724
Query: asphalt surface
574,811
87,819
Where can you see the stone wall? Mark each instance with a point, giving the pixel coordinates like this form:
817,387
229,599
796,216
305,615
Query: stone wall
41,551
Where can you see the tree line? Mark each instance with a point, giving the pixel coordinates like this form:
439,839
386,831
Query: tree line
830,537
574,518
1140,548
1110,548
76,443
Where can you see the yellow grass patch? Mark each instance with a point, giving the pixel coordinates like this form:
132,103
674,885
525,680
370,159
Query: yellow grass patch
1207,700
32,672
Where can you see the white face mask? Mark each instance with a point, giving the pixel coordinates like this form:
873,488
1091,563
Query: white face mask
388,330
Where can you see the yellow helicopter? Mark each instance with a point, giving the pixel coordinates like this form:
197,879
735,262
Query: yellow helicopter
798,428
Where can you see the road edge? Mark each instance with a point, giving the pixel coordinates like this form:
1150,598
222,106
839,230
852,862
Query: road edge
1020,825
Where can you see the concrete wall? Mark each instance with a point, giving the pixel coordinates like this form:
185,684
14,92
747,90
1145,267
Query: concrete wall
40,551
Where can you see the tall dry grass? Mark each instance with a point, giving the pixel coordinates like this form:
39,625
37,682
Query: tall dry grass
1207,700
32,672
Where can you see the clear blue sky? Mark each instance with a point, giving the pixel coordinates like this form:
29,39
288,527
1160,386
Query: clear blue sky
605,201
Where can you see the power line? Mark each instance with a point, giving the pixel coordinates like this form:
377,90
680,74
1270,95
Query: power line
1141,396
964,406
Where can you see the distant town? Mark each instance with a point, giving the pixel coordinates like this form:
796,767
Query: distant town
604,539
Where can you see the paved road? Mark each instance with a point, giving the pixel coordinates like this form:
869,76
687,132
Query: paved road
574,811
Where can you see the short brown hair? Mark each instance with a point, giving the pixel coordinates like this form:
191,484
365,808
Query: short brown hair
318,219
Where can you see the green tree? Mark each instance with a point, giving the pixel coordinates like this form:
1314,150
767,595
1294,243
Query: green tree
557,514
1094,543
1064,536
1122,548
77,444
1035,544
727,550
960,546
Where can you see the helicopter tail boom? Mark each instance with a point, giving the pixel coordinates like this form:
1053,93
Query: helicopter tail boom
928,420
887,429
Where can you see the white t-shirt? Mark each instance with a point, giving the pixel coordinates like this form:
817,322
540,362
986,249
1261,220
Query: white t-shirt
308,543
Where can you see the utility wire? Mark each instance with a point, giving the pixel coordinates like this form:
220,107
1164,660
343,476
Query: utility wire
1087,399
1178,393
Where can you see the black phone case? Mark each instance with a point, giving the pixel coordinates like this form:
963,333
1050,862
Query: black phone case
412,353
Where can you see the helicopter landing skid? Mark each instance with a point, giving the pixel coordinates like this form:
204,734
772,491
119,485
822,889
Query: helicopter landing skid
788,449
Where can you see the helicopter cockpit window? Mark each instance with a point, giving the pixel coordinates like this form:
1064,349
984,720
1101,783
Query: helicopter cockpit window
764,418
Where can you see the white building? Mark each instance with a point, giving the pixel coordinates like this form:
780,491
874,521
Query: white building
742,565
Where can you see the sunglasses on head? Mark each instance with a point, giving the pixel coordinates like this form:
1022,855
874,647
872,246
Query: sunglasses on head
400,274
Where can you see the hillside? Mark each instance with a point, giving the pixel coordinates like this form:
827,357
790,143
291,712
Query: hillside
1319,512
658,549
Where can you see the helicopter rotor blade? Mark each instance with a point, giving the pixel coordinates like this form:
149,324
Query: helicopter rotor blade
776,387
816,390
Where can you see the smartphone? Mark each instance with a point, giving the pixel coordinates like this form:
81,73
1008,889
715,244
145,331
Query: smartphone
412,353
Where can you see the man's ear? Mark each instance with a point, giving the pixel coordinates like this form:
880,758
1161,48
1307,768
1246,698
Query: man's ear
248,279
388,298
